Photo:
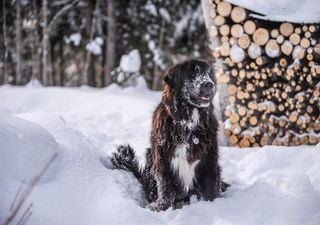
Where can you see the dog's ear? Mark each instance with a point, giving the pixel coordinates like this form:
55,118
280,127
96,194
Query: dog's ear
171,76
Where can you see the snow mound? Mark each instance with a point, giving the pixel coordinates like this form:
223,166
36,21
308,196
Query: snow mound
131,62
25,148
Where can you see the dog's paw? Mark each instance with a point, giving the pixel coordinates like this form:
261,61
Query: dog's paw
154,206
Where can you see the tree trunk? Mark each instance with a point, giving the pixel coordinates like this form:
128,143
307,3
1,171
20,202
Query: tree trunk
4,27
46,67
18,44
86,77
111,42
36,50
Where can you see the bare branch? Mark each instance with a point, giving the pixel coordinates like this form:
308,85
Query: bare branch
29,189
25,215
58,15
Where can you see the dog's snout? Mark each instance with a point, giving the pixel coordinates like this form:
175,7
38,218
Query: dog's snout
207,86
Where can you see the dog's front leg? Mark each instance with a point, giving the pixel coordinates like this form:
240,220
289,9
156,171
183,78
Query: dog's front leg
163,178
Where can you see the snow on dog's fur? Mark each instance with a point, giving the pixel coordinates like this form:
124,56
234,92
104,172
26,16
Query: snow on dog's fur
183,159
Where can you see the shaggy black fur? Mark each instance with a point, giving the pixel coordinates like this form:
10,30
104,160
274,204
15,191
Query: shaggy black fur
183,159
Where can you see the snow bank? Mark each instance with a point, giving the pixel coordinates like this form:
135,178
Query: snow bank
25,148
270,185
295,11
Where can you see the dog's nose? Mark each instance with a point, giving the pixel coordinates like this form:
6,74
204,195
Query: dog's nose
207,86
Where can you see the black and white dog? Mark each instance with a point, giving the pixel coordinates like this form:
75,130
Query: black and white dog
183,159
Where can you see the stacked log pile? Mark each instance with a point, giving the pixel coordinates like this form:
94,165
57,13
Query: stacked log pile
273,74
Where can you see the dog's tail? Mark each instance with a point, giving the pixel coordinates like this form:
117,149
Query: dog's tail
124,158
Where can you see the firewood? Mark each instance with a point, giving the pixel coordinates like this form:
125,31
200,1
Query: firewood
244,41
219,20
244,143
280,39
225,49
224,8
286,47
307,34
261,36
316,49
286,29
238,14
232,89
225,39
272,49
254,51
312,28
249,27
236,30
233,139
237,54
274,33
305,43
294,38
224,30
298,52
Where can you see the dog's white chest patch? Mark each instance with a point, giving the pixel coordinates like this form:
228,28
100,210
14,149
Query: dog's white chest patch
195,118
184,169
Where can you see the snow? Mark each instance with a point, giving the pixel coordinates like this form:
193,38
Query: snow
295,11
74,38
27,146
131,62
95,46
269,185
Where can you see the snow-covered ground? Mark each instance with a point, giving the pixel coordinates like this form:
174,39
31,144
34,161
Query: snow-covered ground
270,185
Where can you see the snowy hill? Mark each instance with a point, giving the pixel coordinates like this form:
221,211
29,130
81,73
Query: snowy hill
270,185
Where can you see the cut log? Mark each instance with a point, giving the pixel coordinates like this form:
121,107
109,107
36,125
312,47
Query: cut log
286,29
238,14
254,51
294,38
305,43
234,118
274,33
225,49
286,47
280,39
249,27
236,30
219,20
244,41
298,52
261,36
316,49
237,54
232,89
224,8
224,30
272,49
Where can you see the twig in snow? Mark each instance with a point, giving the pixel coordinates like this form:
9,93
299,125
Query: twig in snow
28,190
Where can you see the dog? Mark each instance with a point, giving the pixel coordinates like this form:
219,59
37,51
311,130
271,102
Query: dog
183,158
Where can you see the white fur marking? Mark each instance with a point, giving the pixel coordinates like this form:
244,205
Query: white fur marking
194,119
183,167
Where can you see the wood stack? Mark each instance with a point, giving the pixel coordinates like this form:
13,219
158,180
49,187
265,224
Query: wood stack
273,74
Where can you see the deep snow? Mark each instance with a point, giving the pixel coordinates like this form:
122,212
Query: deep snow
296,11
270,185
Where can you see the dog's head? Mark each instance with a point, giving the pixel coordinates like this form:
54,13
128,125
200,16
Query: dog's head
192,81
